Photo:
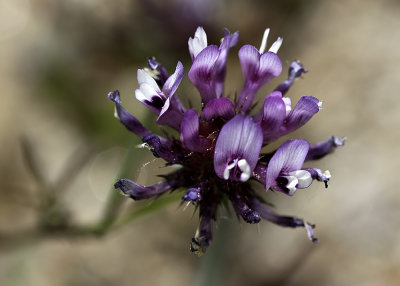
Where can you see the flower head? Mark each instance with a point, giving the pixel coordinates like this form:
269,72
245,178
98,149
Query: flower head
220,147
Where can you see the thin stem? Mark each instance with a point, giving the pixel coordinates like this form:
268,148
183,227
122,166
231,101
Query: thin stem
213,264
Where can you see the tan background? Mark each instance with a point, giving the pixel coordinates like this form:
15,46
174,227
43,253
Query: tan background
58,60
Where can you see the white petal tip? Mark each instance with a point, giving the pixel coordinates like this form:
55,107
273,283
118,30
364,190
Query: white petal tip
116,113
276,45
264,41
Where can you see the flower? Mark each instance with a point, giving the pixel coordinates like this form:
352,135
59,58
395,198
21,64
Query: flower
220,148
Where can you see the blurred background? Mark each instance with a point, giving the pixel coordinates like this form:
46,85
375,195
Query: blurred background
62,149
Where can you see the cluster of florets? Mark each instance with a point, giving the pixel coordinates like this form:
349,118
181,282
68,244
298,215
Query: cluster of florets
219,150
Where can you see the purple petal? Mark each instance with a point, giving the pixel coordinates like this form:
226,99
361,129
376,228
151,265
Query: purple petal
201,72
250,61
218,107
203,236
190,133
274,115
295,71
321,149
127,119
268,214
139,192
219,70
241,208
270,67
286,221
240,138
301,114
173,81
162,148
289,157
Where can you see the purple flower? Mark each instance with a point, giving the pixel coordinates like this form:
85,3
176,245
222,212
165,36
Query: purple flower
209,64
258,69
162,102
220,147
284,172
278,117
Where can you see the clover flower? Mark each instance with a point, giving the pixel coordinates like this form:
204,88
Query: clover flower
220,146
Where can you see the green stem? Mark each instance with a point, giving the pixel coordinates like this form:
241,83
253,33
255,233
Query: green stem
115,199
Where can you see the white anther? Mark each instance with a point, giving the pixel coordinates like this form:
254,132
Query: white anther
304,178
198,42
264,41
327,174
320,105
288,104
244,166
276,45
244,176
226,173
228,169
246,170
144,145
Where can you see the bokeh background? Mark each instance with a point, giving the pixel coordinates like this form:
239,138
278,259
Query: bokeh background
62,149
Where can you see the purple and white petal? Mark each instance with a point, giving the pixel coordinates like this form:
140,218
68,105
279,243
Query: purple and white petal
289,157
170,115
144,77
127,119
321,149
158,72
218,107
201,72
139,192
237,149
197,43
190,137
150,97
